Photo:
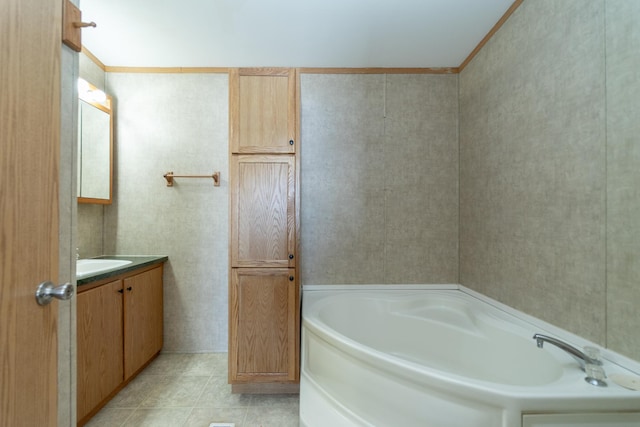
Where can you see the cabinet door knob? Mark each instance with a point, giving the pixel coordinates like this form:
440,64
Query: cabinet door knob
129,288
121,291
291,278
290,256
291,142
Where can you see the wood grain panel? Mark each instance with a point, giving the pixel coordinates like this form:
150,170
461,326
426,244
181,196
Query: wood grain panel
100,344
234,112
298,128
263,214
263,328
264,71
142,319
263,211
264,303
72,35
262,105
264,111
30,46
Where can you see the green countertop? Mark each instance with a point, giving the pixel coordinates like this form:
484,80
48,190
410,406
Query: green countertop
136,263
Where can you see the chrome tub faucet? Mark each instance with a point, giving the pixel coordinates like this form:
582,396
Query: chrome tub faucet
590,363
579,355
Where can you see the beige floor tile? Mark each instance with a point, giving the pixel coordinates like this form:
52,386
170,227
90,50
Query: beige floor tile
272,416
158,417
202,417
285,400
217,394
191,390
110,417
167,364
206,364
136,391
176,391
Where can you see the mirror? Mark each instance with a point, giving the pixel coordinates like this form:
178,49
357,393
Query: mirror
95,145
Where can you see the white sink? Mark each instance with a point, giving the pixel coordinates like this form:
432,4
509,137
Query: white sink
86,267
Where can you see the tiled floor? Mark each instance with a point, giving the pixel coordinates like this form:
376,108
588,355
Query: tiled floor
191,390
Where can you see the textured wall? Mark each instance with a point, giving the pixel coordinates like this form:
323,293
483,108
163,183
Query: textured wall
179,123
623,176
533,164
91,72
379,165
67,237
548,200
90,220
90,230
388,188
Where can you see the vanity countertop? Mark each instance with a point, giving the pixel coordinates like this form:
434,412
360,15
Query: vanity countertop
137,261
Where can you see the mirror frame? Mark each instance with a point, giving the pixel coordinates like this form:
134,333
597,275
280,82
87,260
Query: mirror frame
107,107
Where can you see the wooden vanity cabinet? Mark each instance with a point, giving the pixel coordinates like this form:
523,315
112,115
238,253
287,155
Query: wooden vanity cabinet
264,296
119,331
100,344
142,319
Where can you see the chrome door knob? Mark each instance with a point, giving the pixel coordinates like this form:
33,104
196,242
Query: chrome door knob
47,291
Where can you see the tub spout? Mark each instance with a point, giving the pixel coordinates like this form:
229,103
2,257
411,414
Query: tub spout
580,356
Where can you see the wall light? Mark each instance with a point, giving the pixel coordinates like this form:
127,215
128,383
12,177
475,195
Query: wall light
90,93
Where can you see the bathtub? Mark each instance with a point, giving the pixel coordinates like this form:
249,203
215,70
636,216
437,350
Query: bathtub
444,356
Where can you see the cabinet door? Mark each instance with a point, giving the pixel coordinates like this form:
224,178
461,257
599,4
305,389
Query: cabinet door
262,109
263,325
142,319
263,211
99,338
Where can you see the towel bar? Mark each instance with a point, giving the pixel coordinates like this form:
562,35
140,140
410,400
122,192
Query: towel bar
170,175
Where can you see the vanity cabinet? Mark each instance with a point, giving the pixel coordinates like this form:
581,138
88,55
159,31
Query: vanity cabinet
119,331
264,296
100,344
142,319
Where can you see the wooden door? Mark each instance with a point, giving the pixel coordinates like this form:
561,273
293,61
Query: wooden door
262,109
30,51
100,362
142,319
263,325
263,223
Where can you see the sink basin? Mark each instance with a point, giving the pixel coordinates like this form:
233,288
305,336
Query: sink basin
86,267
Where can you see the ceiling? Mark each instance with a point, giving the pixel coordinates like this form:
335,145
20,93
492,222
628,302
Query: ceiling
294,33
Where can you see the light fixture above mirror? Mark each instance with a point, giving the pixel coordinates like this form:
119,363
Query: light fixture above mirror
89,93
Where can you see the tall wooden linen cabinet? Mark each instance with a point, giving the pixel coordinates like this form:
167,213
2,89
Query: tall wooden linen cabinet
264,295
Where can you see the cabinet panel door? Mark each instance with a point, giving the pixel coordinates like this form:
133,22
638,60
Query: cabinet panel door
263,325
262,104
142,319
99,337
263,211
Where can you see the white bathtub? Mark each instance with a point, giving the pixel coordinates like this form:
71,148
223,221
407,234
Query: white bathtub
442,356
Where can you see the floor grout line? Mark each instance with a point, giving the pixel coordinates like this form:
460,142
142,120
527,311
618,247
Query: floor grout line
236,410
127,419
